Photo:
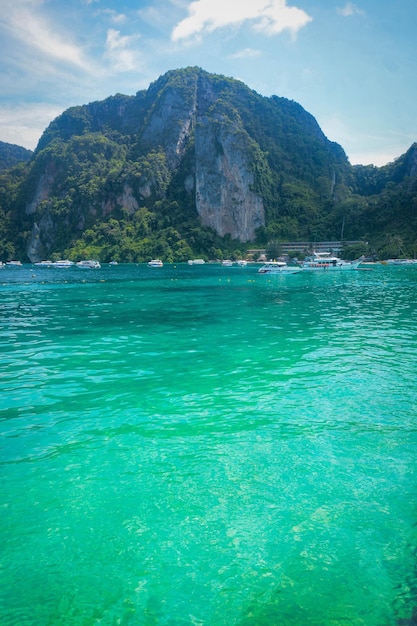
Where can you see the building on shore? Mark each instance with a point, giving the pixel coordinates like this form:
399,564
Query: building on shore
306,247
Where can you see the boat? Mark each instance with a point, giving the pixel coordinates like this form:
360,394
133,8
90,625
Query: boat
113,263
278,267
399,262
227,263
155,263
242,263
62,263
196,262
43,264
325,261
88,264
13,264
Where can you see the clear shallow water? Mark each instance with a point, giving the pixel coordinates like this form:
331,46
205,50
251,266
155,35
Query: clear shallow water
208,446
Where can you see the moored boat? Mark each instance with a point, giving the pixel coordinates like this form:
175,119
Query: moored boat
401,262
88,264
13,263
62,263
325,261
227,263
155,263
278,267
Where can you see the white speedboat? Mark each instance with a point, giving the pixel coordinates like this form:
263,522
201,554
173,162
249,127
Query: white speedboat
196,262
88,264
278,267
13,263
242,263
399,262
227,263
63,263
43,264
155,263
325,261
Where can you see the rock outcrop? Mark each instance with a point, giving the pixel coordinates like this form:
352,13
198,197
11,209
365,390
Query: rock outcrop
224,180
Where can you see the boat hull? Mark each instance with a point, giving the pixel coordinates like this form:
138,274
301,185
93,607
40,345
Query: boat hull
88,265
281,272
278,267
341,267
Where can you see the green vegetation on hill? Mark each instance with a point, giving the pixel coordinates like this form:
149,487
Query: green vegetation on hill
11,155
117,179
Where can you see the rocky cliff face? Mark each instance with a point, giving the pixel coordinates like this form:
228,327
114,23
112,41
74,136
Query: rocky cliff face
224,196
170,123
223,175
44,185
412,161
224,199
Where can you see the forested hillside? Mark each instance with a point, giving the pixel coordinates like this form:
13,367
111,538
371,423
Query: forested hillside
197,165
11,155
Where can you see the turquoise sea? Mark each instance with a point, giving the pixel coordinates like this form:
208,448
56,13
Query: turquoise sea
207,446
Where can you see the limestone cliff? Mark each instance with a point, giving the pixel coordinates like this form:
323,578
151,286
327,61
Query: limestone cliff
171,119
224,198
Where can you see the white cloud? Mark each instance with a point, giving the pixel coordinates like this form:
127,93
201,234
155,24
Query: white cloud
118,51
151,15
116,18
268,16
350,9
377,158
247,53
23,125
33,30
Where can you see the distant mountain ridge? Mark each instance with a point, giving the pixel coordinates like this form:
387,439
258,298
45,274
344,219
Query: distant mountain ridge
11,155
196,163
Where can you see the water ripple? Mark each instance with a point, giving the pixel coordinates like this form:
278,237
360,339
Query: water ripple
194,448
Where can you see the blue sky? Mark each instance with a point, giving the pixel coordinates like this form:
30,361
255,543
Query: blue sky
353,65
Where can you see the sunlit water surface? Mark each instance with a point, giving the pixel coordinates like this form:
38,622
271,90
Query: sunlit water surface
208,446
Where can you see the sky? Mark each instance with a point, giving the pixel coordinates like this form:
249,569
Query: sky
352,65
